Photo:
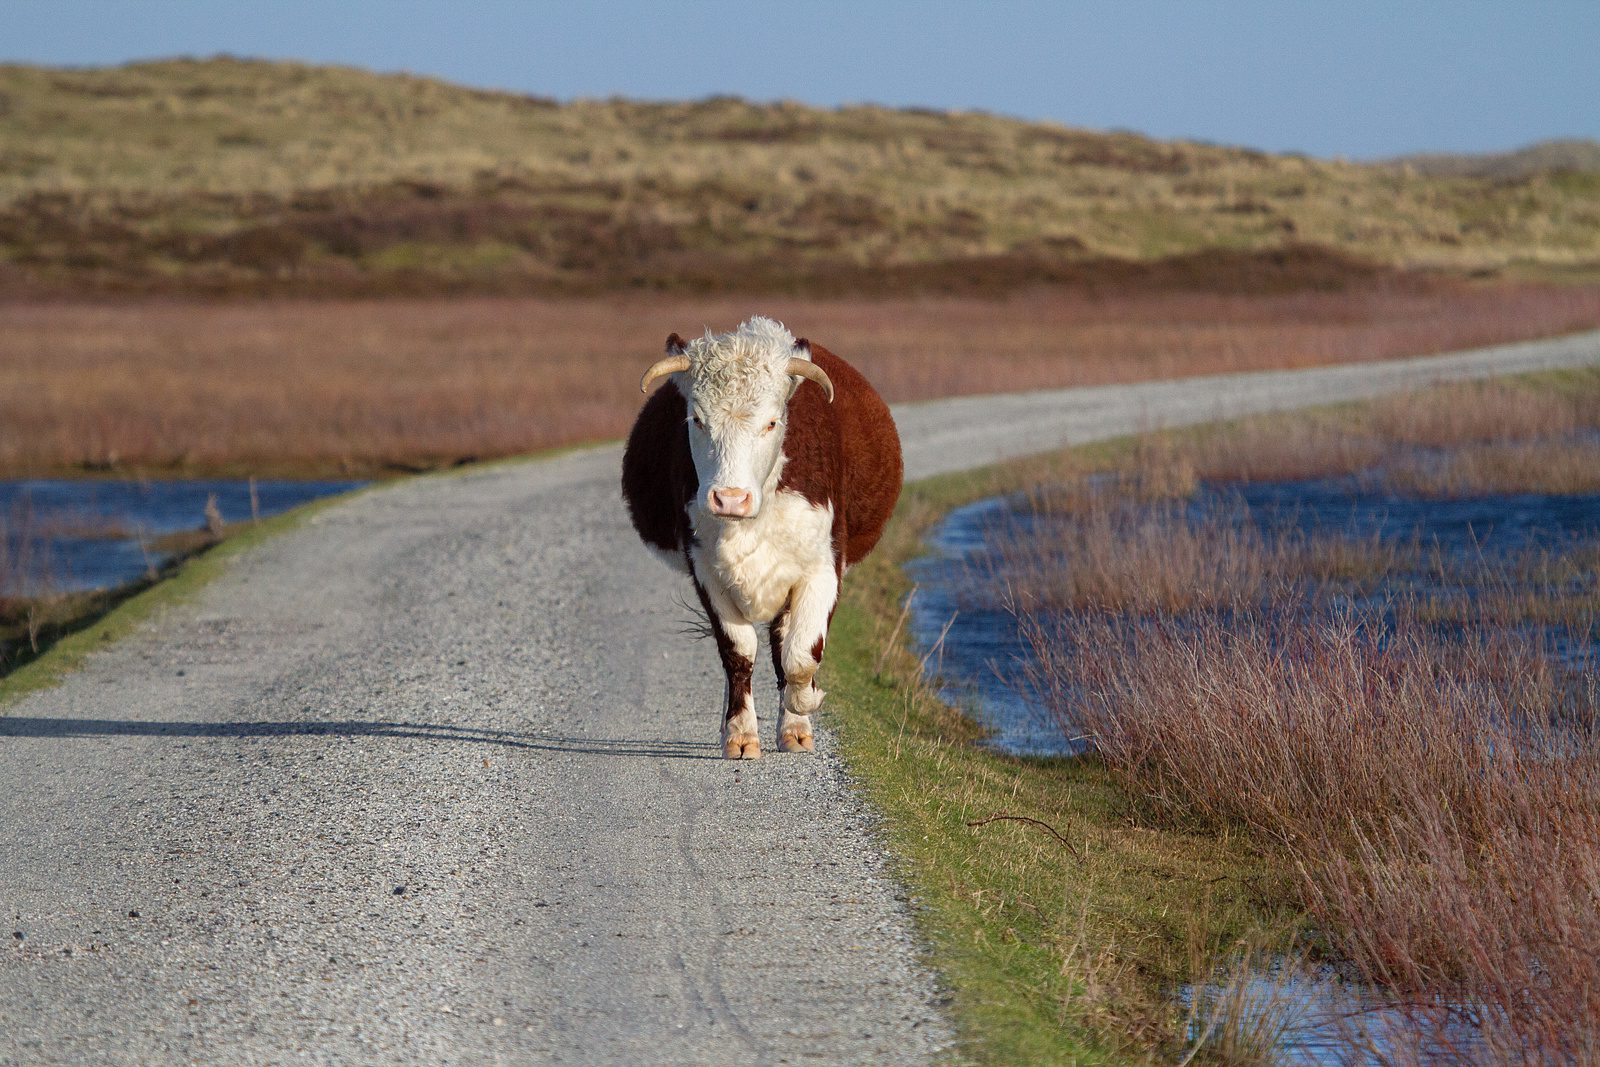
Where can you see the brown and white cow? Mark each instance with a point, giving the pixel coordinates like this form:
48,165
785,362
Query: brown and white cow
763,468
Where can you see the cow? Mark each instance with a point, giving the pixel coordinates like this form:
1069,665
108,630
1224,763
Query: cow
763,468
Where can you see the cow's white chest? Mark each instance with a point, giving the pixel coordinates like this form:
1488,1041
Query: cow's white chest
759,561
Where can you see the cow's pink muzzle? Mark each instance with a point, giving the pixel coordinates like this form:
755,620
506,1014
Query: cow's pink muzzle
730,503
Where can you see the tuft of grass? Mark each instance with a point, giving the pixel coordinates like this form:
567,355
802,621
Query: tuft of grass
1245,1009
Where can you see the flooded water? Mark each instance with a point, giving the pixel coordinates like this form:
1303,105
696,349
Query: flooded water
1494,525
973,646
974,650
1314,1017
970,643
97,534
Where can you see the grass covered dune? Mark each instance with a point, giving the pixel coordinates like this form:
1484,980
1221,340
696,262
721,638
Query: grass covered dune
232,176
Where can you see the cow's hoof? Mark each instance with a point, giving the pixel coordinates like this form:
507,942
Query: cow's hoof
796,743
742,746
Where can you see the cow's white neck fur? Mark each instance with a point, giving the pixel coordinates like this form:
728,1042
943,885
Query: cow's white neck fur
758,562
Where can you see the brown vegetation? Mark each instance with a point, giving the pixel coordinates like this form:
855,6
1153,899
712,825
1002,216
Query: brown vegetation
1160,559
362,387
1427,761
1476,437
27,606
1438,797
24,554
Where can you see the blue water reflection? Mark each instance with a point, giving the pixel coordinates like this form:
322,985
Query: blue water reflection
95,534
980,659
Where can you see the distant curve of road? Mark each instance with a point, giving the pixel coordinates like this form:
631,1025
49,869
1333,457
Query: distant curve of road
432,779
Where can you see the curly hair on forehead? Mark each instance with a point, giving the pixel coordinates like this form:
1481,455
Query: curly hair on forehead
744,366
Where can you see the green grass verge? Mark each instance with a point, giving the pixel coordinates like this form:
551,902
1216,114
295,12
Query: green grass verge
1053,953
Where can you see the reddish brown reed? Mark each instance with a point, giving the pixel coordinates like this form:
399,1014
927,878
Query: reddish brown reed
1492,411
1440,798
1119,542
1563,467
365,386
1313,446
1118,558
1483,437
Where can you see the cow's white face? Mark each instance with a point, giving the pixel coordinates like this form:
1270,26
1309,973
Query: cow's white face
737,388
736,440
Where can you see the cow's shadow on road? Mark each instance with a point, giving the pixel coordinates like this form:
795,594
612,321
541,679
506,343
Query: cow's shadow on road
658,748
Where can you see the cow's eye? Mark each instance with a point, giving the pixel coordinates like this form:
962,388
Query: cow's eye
696,420
773,425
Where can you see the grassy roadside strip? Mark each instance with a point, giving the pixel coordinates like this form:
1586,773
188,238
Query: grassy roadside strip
1054,952
123,613
123,610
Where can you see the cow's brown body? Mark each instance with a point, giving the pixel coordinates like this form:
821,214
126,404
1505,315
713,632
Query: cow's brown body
842,459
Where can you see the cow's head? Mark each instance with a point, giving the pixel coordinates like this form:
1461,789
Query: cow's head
738,387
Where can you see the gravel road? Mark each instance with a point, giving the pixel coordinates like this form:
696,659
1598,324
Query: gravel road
432,779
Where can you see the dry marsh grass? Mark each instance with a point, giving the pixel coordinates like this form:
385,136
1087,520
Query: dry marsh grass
24,554
1142,559
1483,437
231,175
1438,799
1426,763
363,387
28,604
1561,467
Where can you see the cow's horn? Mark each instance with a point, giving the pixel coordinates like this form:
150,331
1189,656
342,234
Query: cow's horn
804,368
661,368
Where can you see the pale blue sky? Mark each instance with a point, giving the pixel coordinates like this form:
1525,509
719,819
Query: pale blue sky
1359,78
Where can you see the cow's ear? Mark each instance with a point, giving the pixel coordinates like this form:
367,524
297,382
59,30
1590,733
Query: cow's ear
676,346
803,345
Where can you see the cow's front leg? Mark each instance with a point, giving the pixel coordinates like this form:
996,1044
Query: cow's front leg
798,643
736,643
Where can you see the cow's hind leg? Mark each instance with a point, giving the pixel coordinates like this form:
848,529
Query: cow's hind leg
797,651
736,643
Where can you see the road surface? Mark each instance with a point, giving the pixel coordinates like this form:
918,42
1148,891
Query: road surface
432,779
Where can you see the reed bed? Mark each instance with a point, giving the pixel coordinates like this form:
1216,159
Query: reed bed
368,387
1416,733
1438,798
1491,437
